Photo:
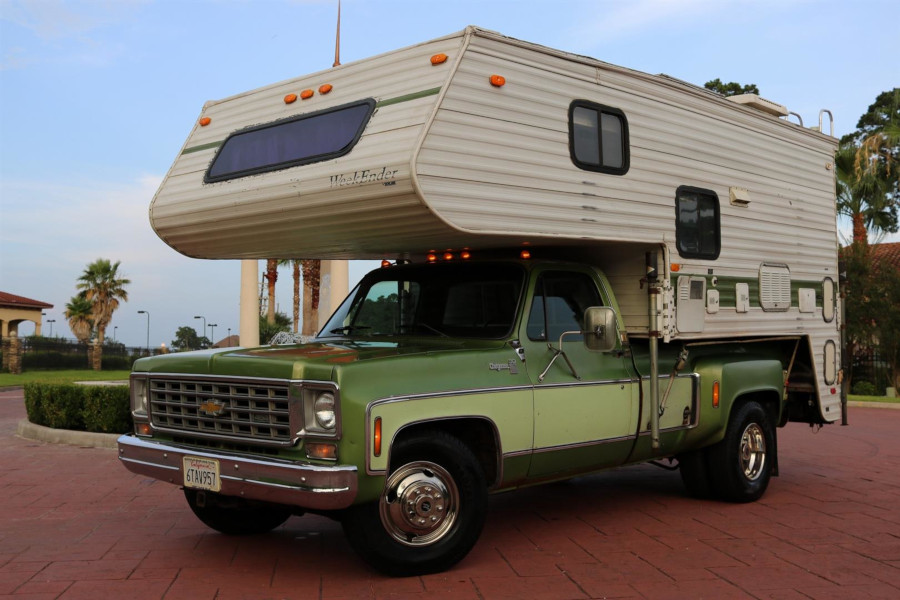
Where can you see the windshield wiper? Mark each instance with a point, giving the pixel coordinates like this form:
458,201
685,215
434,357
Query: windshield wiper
348,329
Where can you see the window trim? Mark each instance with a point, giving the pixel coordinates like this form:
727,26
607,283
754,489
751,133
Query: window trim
207,178
626,146
678,228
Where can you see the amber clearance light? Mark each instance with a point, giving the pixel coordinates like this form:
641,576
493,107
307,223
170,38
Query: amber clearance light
306,94
376,437
290,98
205,121
438,59
325,88
498,80
715,394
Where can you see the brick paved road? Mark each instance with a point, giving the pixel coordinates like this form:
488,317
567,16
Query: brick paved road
75,524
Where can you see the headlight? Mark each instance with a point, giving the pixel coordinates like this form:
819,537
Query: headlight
139,396
324,409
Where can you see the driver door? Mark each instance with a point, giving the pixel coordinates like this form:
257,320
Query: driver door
585,408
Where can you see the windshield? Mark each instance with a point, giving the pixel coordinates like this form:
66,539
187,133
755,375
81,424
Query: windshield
448,300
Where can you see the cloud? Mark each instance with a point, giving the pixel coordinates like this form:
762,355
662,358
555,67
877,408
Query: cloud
67,33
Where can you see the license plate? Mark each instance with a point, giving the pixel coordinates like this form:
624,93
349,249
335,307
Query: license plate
201,474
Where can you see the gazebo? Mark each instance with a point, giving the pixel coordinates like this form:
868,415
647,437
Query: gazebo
13,311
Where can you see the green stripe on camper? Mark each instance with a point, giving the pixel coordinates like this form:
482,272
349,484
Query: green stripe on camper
388,102
201,147
408,97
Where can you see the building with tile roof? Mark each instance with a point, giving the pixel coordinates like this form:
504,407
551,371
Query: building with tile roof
17,309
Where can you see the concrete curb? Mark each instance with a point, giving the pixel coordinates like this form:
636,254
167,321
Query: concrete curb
85,439
892,405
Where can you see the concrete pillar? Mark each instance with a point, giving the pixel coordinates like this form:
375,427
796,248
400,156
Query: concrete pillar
333,287
249,311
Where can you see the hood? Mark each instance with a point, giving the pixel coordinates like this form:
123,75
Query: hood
315,360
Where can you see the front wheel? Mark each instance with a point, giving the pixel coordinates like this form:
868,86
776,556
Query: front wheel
740,466
430,512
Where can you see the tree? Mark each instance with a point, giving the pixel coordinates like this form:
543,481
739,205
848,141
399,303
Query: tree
862,196
295,264
102,286
867,166
78,313
886,299
268,330
312,275
271,276
186,338
731,88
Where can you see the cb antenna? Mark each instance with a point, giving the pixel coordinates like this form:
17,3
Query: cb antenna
337,39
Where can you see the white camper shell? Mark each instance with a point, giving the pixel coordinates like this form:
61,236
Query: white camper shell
477,141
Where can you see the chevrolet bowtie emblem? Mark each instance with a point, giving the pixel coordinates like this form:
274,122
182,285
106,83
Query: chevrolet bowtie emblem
212,408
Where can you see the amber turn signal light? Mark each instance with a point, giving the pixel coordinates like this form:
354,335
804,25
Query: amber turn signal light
715,394
376,449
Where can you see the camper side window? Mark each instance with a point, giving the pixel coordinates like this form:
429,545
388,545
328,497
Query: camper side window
697,231
598,137
290,142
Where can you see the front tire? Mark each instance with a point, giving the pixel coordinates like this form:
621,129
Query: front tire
430,513
740,466
235,516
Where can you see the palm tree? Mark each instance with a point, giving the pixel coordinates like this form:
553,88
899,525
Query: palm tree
862,195
271,276
101,285
312,271
296,266
78,312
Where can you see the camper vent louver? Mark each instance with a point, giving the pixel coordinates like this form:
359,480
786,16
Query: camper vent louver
774,287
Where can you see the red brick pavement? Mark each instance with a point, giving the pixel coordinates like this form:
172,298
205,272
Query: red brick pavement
74,524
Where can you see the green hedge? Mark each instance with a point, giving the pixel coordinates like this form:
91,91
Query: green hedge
102,409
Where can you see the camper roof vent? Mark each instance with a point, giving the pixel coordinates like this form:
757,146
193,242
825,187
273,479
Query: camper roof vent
754,101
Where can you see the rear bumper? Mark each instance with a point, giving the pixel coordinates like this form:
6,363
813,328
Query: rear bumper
303,485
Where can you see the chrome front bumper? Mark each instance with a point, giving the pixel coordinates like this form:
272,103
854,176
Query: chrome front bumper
303,485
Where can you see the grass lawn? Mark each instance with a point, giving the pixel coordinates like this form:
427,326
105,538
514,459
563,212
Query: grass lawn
7,380
853,398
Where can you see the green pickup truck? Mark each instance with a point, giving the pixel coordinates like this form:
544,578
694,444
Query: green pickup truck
434,385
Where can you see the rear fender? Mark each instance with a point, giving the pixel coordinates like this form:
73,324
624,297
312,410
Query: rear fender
761,380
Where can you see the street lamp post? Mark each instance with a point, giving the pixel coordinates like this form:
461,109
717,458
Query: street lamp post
51,321
212,333
115,338
204,324
145,312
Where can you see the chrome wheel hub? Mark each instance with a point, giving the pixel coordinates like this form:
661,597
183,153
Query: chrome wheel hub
420,504
753,451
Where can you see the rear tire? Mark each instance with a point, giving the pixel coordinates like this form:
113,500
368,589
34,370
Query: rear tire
740,466
235,516
430,513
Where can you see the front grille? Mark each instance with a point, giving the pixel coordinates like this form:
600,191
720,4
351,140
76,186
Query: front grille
257,411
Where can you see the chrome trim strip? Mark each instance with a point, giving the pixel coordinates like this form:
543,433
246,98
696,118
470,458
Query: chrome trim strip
298,484
588,444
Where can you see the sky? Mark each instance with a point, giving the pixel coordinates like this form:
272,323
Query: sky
97,98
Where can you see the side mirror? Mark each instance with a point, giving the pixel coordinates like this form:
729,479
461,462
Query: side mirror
600,329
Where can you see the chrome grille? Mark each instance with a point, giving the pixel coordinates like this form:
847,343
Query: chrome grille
257,411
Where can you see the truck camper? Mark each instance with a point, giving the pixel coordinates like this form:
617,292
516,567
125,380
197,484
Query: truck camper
585,266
